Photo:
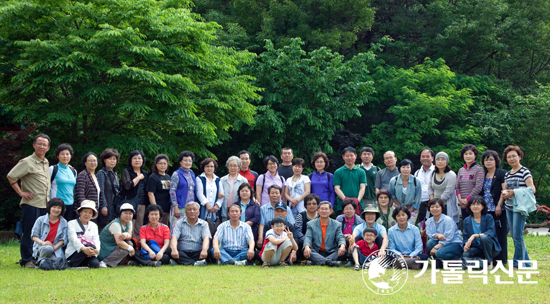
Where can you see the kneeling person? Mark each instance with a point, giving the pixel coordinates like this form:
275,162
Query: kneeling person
278,243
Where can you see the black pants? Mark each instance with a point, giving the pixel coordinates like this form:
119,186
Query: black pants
143,260
501,226
29,214
81,259
422,210
188,257
69,213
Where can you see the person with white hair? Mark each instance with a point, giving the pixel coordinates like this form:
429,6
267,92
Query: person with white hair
231,183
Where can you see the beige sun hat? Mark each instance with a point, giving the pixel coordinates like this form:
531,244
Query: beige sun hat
87,204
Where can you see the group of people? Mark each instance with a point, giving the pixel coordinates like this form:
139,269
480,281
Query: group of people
280,217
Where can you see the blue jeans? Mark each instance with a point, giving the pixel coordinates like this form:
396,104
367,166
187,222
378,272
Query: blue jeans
516,224
448,252
227,255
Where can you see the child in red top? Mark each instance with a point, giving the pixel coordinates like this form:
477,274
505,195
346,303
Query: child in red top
363,248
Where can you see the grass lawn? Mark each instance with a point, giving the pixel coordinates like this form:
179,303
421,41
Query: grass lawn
223,284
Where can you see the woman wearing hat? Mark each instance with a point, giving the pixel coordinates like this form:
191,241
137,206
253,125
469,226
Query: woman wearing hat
84,244
370,214
115,239
443,185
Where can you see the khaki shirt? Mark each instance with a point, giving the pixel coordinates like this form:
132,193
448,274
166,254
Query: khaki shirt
34,174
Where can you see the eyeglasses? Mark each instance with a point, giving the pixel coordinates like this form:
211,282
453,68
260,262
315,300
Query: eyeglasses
186,160
42,145
91,161
278,226
272,164
311,204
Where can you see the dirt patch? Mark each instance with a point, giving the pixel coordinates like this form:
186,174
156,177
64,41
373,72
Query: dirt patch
6,236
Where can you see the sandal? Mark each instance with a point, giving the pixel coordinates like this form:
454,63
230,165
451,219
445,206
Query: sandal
265,265
283,263
357,267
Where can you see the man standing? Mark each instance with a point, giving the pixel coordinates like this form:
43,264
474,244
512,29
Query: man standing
267,212
367,154
245,171
190,238
424,174
349,180
324,242
383,177
285,169
34,173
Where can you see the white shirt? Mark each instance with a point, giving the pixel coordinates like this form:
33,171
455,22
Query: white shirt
424,177
296,189
211,197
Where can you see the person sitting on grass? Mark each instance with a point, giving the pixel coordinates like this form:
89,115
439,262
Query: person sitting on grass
282,210
405,237
154,238
370,214
363,248
236,238
190,238
278,243
444,241
84,244
49,232
324,242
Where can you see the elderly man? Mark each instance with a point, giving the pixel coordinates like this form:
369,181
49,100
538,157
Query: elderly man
190,238
236,239
385,175
33,171
267,213
281,210
324,242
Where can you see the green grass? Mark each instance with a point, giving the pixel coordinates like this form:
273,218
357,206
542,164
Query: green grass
229,284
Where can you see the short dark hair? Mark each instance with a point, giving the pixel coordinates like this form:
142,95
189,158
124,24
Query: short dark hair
85,157
349,149
56,201
371,230
158,158
510,149
431,151
320,155
42,135
325,203
469,147
245,185
434,201
349,201
383,191
488,154
477,199
134,153
405,162
276,187
299,162
108,153
278,220
272,159
152,208
63,147
243,152
312,196
367,149
286,148
208,160
399,209
235,205
186,154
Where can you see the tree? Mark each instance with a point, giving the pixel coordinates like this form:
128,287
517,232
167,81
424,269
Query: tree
126,74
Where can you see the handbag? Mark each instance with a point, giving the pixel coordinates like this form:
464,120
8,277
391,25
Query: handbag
212,224
83,239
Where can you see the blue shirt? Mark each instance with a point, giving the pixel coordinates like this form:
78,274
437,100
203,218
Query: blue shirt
266,213
477,230
379,228
408,242
234,239
413,196
243,209
445,226
321,184
65,180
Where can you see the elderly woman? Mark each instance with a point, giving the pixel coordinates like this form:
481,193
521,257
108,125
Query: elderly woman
470,178
349,219
370,215
266,180
479,232
84,244
134,179
404,237
49,232
154,239
209,191
297,187
386,218
250,210
63,179
406,189
115,239
87,185
182,186
444,241
491,193
230,184
109,186
158,187
443,185
518,179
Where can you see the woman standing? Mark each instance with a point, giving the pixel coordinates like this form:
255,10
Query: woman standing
49,232
84,244
321,180
406,189
386,218
266,180
208,190
63,179
134,179
182,186
443,185
108,185
517,179
492,189
87,186
444,241
470,178
158,187
231,183
297,187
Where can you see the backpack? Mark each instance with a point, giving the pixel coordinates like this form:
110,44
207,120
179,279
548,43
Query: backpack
54,263
56,168
263,181
395,183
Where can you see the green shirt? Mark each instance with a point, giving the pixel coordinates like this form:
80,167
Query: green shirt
370,192
349,181
107,239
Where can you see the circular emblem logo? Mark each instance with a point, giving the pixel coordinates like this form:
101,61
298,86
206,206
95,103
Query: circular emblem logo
386,273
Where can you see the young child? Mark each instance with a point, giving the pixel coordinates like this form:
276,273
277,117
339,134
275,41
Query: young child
363,248
278,243
297,186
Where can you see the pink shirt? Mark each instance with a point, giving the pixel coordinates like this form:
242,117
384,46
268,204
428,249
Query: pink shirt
232,181
349,225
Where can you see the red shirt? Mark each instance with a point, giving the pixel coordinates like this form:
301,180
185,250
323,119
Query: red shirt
249,177
365,249
159,235
53,232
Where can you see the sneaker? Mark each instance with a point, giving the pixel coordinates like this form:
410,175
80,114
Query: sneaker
231,262
155,264
29,264
200,263
334,263
219,262
240,263
348,264
133,263
102,264
173,262
306,263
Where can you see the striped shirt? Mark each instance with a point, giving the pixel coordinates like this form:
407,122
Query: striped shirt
469,181
514,181
266,214
190,238
234,239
